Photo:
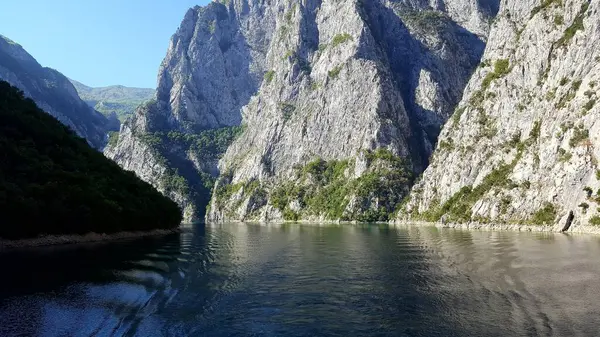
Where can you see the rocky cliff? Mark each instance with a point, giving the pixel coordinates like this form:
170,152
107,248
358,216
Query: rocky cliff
523,144
351,103
52,92
214,64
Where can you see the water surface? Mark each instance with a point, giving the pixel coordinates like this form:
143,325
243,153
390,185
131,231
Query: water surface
292,280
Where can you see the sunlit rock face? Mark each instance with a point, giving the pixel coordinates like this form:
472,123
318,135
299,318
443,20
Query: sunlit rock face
342,79
523,145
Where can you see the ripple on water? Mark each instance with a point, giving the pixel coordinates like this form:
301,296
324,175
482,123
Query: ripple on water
309,280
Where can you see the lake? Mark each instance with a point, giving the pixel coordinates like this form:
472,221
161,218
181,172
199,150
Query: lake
302,280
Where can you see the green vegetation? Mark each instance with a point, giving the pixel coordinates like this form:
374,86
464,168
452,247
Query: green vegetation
456,116
563,81
569,95
269,75
579,136
575,26
589,105
545,4
584,207
334,73
595,220
588,191
52,182
429,20
340,39
545,215
501,69
113,138
324,189
118,99
459,207
559,20
206,145
564,156
287,110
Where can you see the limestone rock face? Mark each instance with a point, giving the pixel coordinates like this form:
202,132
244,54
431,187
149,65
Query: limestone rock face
52,92
343,80
358,89
523,145
213,66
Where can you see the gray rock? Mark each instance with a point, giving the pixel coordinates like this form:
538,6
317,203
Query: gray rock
344,77
525,137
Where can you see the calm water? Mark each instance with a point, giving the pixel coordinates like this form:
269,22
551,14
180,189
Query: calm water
250,280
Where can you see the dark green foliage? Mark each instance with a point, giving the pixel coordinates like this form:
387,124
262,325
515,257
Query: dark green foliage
563,155
287,110
545,4
545,215
323,189
501,69
335,72
584,207
588,191
269,75
113,138
429,20
456,116
579,135
575,26
559,20
181,176
534,134
52,182
458,207
595,220
589,105
563,81
340,39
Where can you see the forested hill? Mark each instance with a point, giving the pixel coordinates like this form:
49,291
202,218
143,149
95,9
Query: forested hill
53,182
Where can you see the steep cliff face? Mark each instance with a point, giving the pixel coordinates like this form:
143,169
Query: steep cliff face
214,64
52,92
523,145
353,97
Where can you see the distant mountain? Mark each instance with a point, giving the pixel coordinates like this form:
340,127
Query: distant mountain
116,99
52,182
52,92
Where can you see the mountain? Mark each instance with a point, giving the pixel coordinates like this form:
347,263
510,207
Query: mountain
332,107
52,92
523,144
116,99
354,96
52,182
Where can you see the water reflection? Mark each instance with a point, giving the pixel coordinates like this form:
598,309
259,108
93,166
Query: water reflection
225,280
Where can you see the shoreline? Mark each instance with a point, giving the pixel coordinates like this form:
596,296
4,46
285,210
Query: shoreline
475,226
472,226
57,240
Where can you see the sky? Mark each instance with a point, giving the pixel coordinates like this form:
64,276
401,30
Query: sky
96,42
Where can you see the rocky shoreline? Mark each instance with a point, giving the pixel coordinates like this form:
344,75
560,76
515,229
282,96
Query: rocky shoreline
474,226
580,229
53,240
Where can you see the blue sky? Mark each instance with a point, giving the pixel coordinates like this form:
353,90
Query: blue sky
97,42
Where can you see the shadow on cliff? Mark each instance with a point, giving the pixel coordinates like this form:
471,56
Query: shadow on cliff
408,56
161,117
